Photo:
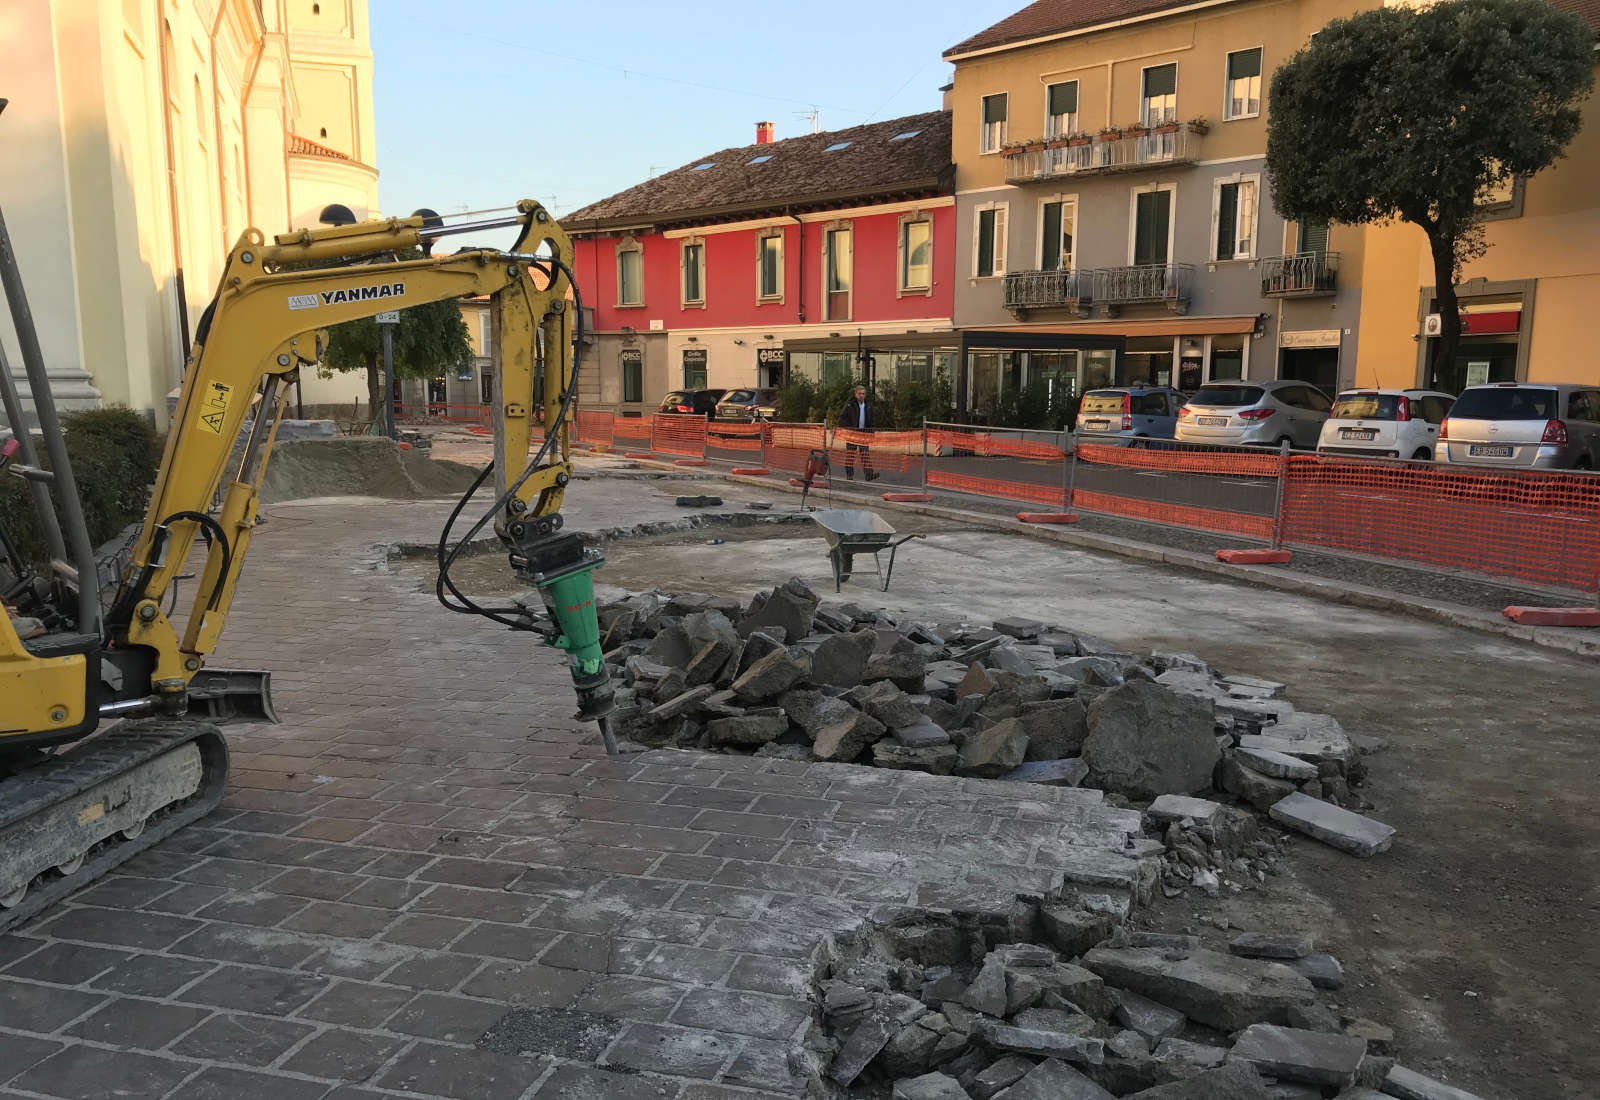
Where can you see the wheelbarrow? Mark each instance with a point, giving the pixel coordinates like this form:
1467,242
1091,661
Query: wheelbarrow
852,531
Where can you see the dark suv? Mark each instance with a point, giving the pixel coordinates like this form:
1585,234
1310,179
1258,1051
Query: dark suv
752,404
698,402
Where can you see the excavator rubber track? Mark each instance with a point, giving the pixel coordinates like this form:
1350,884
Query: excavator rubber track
103,801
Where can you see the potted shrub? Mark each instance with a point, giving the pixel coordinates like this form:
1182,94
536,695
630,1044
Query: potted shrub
1110,133
1166,128
1078,138
1199,126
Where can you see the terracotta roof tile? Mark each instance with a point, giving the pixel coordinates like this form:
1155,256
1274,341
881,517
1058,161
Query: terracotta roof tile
863,160
1054,16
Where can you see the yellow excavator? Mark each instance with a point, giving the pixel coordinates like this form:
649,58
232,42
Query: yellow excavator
114,651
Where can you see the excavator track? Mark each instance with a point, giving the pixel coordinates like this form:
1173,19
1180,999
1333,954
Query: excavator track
76,815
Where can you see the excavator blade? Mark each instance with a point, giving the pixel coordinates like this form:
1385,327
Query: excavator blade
232,696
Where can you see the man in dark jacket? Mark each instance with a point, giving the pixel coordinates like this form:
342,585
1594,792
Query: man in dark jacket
856,416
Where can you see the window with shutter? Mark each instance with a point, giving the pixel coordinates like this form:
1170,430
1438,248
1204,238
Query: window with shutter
1061,109
1050,231
1152,220
1313,237
1227,215
1242,97
1160,103
994,123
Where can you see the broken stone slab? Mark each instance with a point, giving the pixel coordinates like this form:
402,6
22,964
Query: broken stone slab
1072,931
1050,773
1082,987
990,753
1294,1054
747,729
1324,971
1145,741
1001,1074
812,710
1184,1052
987,993
933,759
846,739
1230,1081
930,1086
1271,945
1019,627
1151,1019
792,606
758,645
1218,990
911,1050
1261,791
841,659
921,734
681,704
769,677
1271,688
1043,1044
1317,737
1279,765
1053,1080
1101,671
1180,807
1347,831
1007,659
642,668
973,652
861,1046
1408,1084
887,703
1055,727
906,670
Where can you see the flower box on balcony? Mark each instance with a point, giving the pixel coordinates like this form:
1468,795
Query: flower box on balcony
1166,128
1110,133
1199,126
1137,130
1078,139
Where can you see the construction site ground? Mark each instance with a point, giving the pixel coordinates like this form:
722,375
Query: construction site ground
429,842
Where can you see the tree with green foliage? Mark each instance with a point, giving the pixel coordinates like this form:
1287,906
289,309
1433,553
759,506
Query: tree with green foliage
431,339
1416,114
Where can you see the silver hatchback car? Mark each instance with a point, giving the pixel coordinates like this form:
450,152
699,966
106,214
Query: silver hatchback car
1121,414
1532,424
1255,413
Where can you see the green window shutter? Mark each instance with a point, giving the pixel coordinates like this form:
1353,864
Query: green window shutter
1313,237
985,242
1050,258
1063,98
1227,220
1153,214
1244,63
1161,80
994,108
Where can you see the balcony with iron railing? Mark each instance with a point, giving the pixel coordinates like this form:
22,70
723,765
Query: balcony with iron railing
1301,275
1107,287
1112,150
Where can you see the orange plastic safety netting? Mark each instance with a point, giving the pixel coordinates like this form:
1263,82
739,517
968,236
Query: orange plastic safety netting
1240,524
1033,492
594,427
897,455
733,436
1182,460
679,434
789,444
985,444
631,432
1533,526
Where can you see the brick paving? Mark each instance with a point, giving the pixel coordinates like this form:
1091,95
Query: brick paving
429,881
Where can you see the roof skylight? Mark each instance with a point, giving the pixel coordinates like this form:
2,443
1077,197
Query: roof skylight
905,134
703,167
836,146
762,159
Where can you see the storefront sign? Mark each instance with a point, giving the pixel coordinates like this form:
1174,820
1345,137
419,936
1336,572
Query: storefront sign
1310,338
694,357
1491,322
769,357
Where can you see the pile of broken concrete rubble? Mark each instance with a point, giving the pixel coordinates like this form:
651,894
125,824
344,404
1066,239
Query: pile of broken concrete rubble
1019,700
934,1009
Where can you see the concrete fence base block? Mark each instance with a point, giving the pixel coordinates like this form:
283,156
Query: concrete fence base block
1047,517
816,483
1554,616
750,471
1254,557
908,498
690,462
637,454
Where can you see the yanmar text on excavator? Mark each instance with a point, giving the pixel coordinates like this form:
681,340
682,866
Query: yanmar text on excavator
108,713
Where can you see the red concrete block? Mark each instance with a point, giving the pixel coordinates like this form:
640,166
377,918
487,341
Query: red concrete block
1554,616
1254,557
908,498
750,471
638,454
816,483
1047,517
689,462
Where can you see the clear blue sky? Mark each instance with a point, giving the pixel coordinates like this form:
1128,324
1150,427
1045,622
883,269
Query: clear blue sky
488,102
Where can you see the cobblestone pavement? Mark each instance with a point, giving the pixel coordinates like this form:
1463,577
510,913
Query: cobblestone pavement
413,875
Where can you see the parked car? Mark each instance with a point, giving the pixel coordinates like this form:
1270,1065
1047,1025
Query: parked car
759,404
1254,413
702,402
1121,414
1390,423
1544,425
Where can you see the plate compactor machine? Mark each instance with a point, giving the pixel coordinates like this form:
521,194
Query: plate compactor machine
108,713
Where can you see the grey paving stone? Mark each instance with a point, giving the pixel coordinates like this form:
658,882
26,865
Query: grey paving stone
18,1052
42,1007
555,1032
97,1073
1218,990
681,1052
1408,1084
251,1041
628,998
1350,832
434,972
1276,764
680,963
1176,807
243,944
120,928
461,1074
153,975
782,977
1271,945
341,1055
1052,1080
1294,1054
66,963
572,1082
138,1024
741,1013
527,984
929,1086
219,1083
356,1004
506,941
268,992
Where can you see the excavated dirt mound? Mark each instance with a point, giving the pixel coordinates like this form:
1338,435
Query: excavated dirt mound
361,466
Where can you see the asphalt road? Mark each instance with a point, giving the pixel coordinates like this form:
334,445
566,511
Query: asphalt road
1246,495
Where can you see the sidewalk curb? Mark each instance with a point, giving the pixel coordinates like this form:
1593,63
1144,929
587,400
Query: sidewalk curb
1261,576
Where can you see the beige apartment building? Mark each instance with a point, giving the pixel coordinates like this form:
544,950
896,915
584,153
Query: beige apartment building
141,138
1114,222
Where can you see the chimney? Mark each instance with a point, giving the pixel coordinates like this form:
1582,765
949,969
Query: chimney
763,133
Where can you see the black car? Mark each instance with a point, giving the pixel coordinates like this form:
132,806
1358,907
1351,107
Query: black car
698,402
748,404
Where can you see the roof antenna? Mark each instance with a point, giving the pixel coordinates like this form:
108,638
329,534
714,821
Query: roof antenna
814,116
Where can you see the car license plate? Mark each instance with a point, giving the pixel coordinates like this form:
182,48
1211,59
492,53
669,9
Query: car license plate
1211,421
1097,425
1486,450
1357,433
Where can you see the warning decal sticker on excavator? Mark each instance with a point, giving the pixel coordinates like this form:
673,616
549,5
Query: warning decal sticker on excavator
216,407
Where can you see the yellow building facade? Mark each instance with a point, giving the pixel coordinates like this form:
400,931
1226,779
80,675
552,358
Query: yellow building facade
141,138
1528,303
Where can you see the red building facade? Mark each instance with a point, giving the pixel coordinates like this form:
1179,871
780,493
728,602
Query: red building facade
823,255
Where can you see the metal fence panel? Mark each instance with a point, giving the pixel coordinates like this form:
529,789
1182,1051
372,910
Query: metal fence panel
1230,491
1010,464
734,443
